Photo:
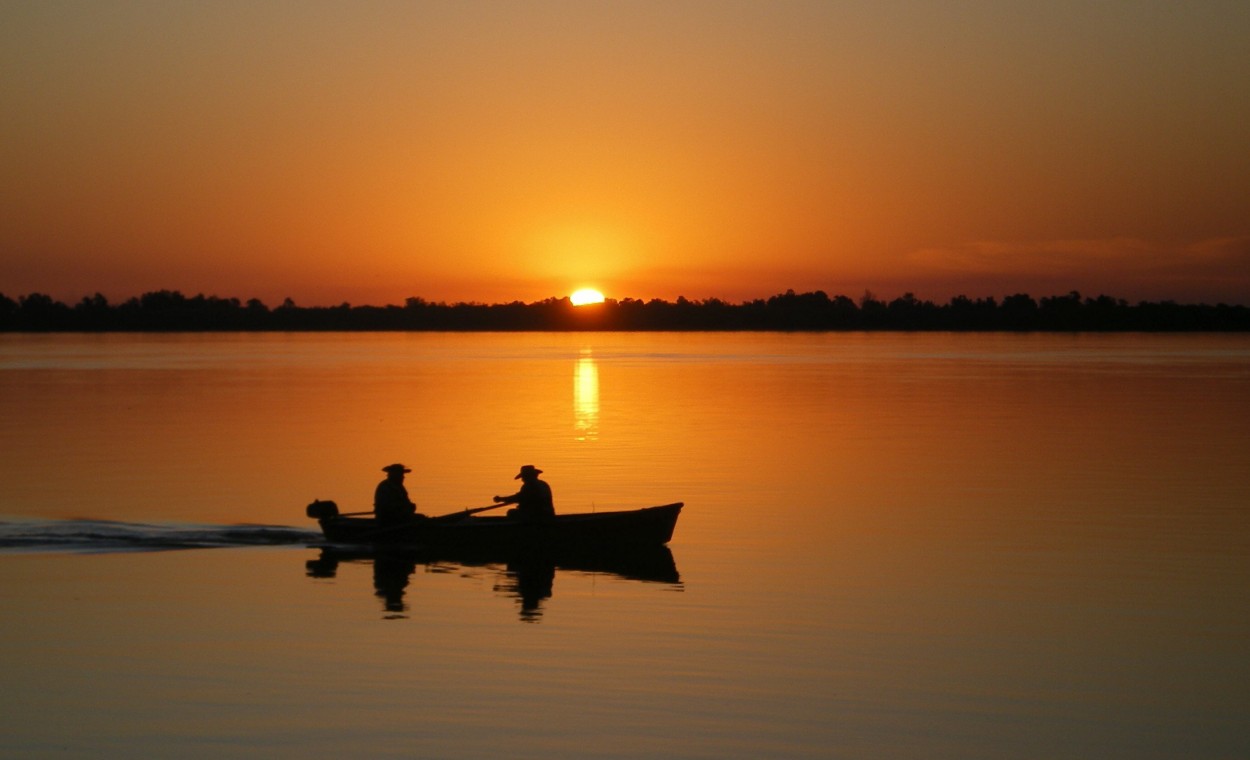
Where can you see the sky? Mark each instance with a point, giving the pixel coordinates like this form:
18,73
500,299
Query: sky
367,152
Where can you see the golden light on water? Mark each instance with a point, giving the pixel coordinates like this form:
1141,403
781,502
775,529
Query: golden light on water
586,296
586,398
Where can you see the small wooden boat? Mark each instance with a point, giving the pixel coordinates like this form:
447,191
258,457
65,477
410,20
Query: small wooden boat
649,526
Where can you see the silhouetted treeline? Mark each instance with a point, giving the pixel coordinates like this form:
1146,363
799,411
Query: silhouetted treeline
172,311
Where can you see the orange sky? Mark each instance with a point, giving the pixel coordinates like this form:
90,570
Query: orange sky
498,151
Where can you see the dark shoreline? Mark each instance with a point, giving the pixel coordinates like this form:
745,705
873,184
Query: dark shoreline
171,311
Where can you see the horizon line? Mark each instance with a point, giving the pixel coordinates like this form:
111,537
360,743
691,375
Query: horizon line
866,296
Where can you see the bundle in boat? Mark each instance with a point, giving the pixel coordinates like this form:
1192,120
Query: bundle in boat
322,510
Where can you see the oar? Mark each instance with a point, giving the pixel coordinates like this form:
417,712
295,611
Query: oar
328,510
467,512
452,515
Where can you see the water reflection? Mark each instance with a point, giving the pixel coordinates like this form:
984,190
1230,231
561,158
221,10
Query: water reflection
527,579
586,397
530,583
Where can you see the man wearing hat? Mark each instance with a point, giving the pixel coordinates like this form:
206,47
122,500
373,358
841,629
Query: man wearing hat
533,502
391,504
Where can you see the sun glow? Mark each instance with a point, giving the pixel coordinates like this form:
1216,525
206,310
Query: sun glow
586,296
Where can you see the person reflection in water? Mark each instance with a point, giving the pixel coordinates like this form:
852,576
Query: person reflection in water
529,581
533,502
391,504
391,572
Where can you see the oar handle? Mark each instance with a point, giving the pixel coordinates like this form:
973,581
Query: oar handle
467,512
447,517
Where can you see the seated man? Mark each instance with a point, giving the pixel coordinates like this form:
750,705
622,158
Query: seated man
391,504
533,502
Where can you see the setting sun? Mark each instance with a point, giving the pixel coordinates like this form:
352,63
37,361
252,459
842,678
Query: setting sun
586,296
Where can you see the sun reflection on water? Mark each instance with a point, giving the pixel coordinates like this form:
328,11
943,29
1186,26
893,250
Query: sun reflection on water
586,398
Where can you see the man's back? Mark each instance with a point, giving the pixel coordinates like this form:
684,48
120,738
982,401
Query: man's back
391,503
535,501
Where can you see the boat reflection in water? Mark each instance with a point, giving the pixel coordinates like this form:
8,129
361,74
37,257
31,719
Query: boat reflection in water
526,577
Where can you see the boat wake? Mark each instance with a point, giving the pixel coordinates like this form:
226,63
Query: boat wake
92,536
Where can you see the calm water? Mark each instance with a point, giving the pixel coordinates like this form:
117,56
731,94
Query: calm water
893,546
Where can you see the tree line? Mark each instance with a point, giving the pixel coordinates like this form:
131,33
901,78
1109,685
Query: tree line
172,311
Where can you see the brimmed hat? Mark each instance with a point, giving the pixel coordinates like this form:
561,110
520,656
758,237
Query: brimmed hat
395,468
528,469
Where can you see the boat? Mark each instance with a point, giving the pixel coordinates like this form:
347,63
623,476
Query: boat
648,526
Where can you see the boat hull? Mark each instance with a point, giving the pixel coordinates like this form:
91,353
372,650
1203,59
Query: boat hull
650,526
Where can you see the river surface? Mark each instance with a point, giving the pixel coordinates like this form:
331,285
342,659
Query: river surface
893,545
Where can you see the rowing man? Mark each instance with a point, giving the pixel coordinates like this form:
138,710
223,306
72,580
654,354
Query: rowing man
533,502
391,504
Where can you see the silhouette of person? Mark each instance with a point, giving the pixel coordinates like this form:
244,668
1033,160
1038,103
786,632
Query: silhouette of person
533,502
391,504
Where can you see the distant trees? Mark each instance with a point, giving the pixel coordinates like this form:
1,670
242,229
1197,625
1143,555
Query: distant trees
166,310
